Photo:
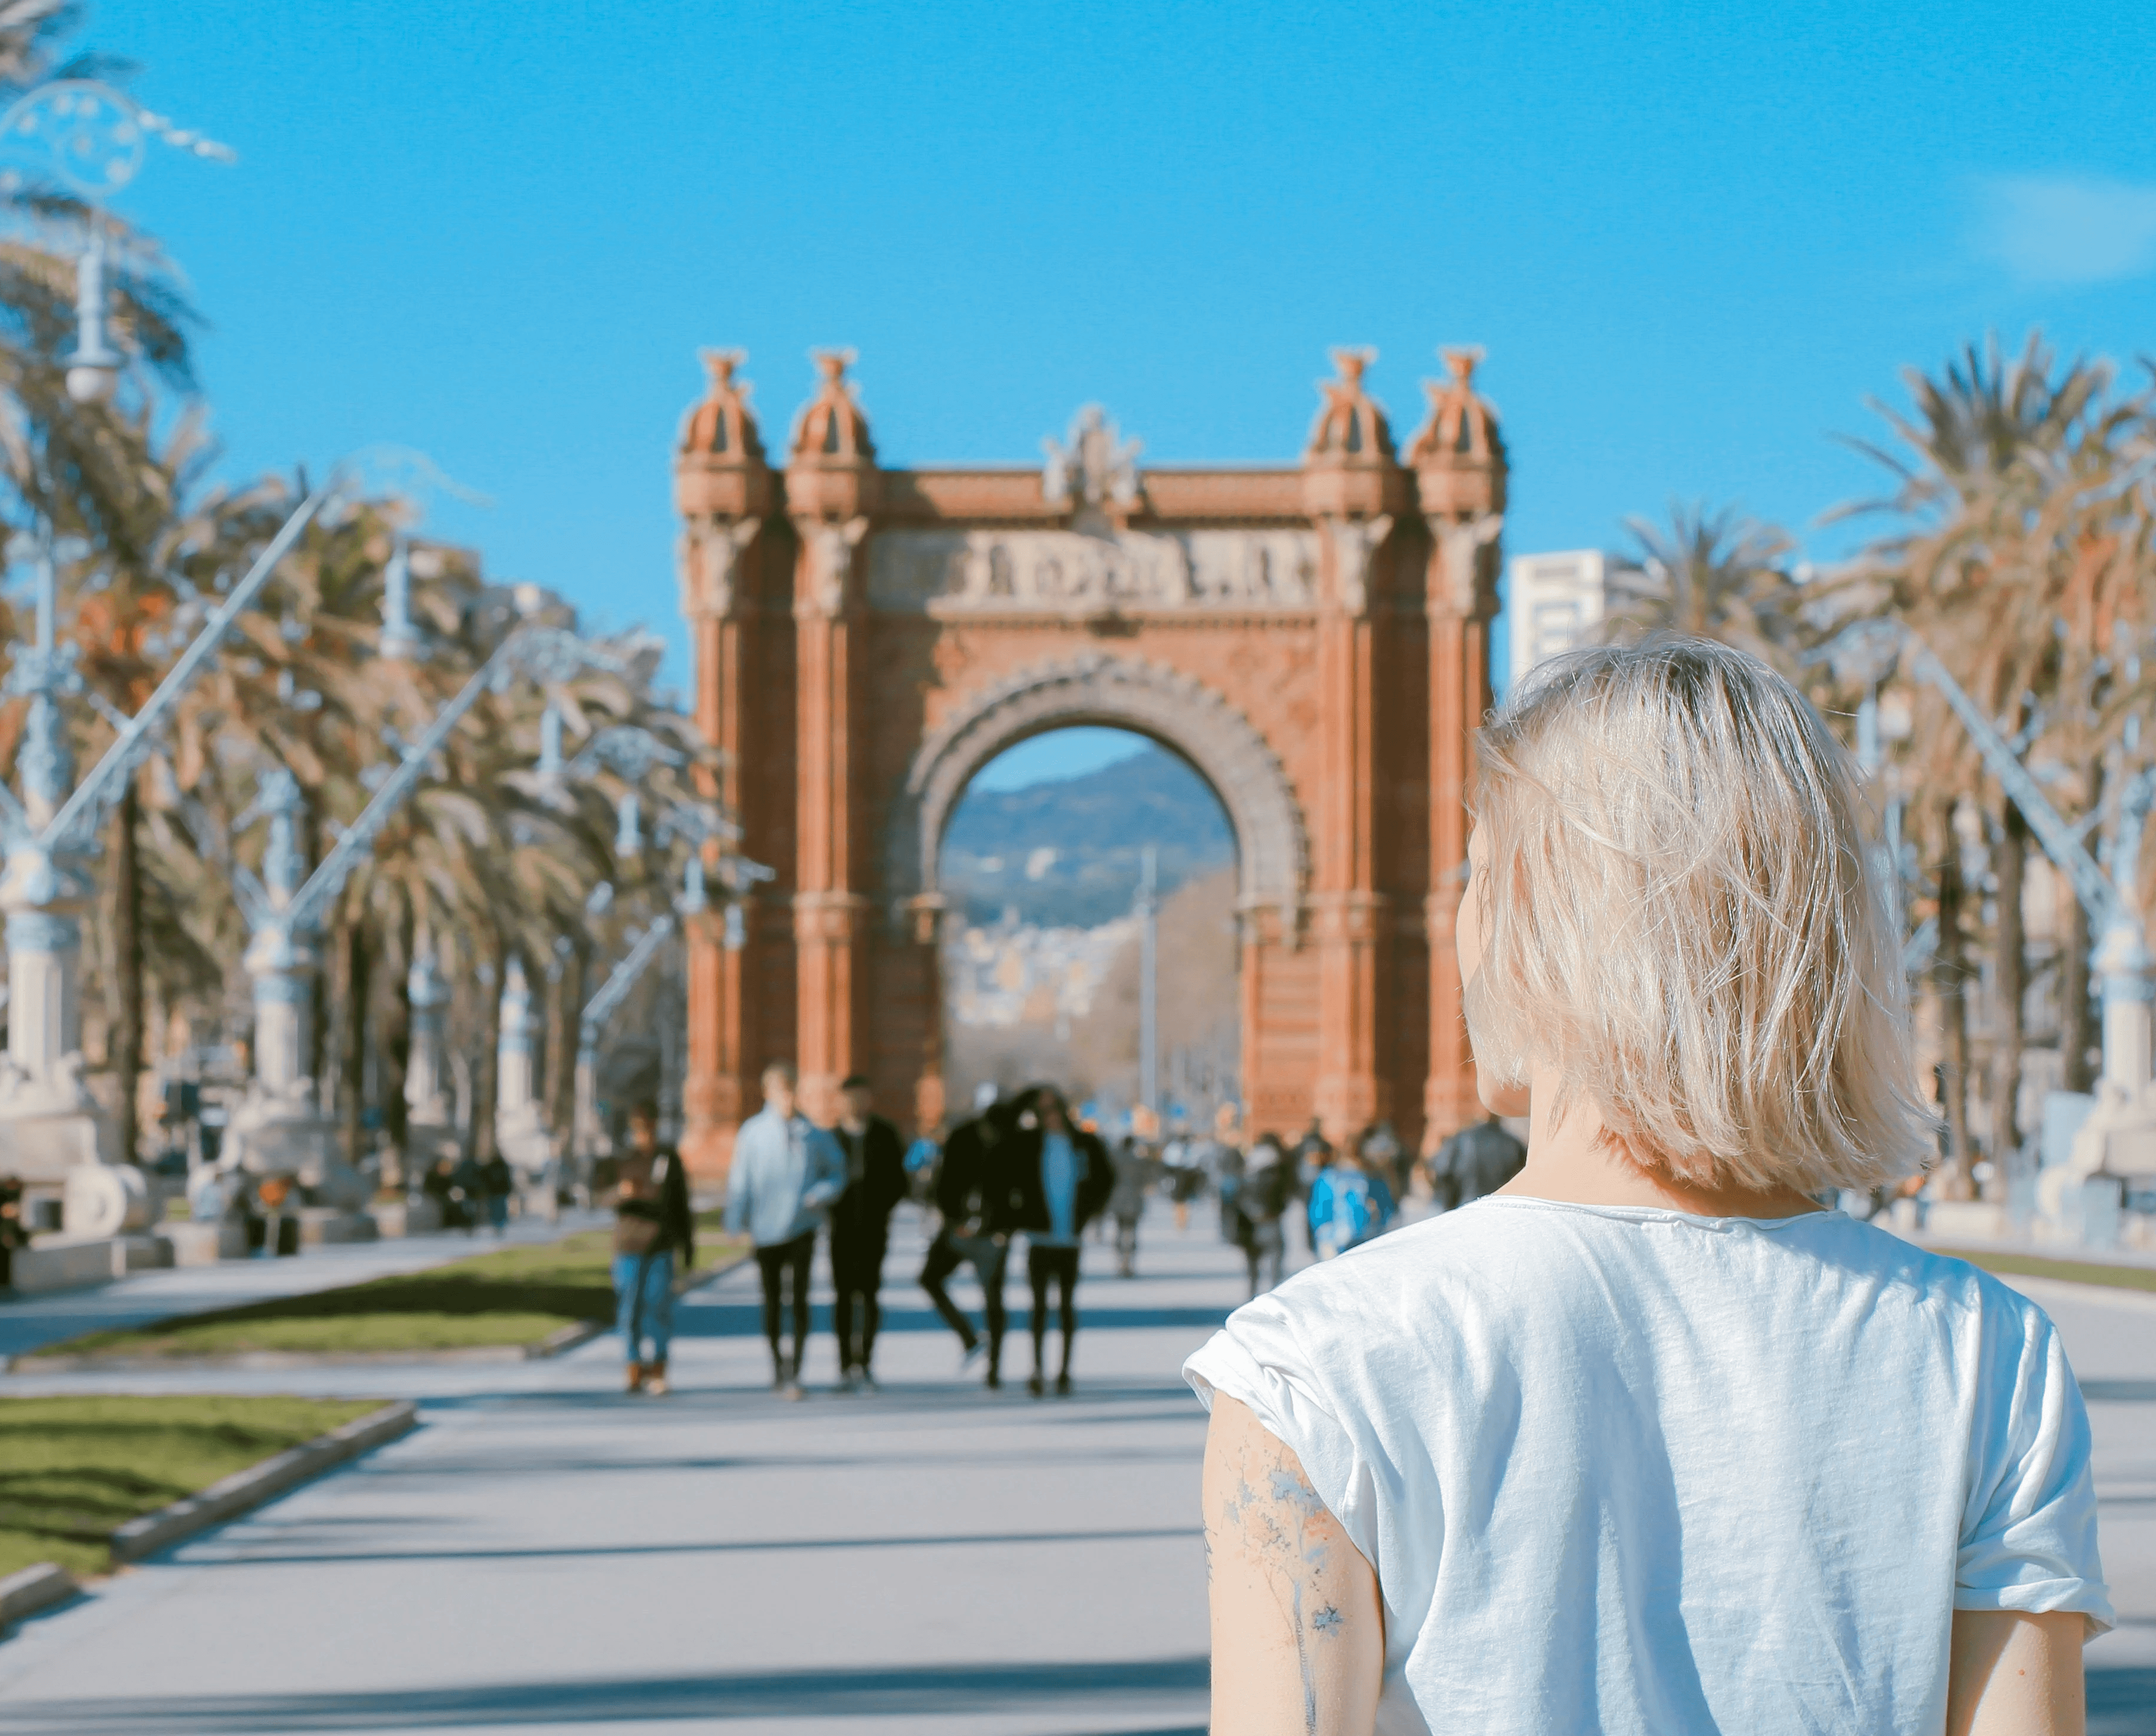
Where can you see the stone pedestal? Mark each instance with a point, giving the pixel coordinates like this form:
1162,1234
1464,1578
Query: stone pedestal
520,1124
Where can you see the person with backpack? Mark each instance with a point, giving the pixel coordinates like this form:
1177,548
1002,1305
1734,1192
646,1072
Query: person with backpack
652,1223
1349,1206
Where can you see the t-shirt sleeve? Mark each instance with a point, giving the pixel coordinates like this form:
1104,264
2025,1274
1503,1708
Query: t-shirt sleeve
1258,1359
2029,1537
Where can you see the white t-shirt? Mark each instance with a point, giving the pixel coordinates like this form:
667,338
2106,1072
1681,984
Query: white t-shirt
1623,1469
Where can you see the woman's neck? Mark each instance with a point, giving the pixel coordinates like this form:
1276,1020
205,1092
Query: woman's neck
1569,1159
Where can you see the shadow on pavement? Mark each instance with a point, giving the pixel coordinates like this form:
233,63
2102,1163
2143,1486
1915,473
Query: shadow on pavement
270,1556
953,1690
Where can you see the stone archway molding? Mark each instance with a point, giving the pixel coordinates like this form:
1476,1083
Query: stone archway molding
1094,687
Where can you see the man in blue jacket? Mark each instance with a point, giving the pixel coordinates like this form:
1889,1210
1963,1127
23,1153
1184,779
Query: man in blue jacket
786,1170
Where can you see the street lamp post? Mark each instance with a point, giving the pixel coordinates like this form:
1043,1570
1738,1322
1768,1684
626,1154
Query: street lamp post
277,1131
50,1128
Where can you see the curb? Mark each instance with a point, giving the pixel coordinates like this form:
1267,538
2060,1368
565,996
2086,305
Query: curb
563,1339
249,1488
34,1589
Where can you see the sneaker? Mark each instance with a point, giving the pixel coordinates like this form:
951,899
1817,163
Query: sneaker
655,1380
972,1354
1063,1386
849,1381
1035,1386
791,1392
636,1377
865,1381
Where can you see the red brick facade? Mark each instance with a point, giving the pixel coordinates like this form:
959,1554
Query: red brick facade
1313,638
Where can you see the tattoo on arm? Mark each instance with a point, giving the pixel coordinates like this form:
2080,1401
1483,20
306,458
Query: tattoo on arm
1275,1516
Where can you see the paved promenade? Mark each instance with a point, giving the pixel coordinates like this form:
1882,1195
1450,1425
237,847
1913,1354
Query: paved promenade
548,1555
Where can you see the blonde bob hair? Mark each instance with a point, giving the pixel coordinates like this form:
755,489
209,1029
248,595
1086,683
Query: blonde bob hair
1683,920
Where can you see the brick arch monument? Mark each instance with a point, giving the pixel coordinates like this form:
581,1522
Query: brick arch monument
1313,638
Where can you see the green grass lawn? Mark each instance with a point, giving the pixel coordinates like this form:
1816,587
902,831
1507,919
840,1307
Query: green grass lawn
2073,1272
508,1296
73,1469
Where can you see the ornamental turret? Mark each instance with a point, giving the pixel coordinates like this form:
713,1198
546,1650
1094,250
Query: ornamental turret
1349,469
1459,456
719,466
831,469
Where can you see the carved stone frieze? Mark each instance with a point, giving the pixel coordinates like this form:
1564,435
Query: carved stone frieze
1060,571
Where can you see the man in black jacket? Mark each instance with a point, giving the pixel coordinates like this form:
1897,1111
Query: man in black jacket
1059,1179
972,1195
860,1226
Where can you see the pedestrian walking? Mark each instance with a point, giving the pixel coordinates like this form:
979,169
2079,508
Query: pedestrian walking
1185,1176
652,1227
786,1170
1261,1209
495,1185
1648,1441
860,1227
1312,1152
1126,1203
972,1194
1478,1160
1062,1178
1349,1204
14,1233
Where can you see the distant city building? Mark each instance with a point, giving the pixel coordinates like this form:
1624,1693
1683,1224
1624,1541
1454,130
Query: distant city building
1555,601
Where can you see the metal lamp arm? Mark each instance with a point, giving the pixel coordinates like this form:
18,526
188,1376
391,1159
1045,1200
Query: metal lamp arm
328,878
2099,896
602,1006
90,795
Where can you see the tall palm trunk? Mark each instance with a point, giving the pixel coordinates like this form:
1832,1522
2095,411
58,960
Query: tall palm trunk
127,970
358,986
486,1076
2080,1032
2009,856
395,1048
1951,974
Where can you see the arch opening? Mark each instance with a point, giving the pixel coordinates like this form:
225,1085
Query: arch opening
1040,862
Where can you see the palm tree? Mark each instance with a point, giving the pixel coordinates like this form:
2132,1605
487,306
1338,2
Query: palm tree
1716,575
2001,559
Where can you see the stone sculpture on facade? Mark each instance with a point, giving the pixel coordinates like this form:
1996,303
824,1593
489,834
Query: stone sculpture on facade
520,1118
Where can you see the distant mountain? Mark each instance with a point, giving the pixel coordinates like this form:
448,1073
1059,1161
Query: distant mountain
1066,854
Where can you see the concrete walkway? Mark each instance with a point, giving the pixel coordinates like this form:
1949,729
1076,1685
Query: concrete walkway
547,1555
29,1323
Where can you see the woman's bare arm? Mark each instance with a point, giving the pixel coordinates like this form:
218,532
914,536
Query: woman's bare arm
1298,1631
2016,1675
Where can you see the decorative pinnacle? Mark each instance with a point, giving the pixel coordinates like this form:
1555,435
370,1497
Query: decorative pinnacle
1462,360
1351,362
720,364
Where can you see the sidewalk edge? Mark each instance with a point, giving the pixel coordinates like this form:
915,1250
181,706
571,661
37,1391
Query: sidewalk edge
250,1488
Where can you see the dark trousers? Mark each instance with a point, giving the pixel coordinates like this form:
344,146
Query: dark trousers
988,1256
856,1275
777,1263
1058,1266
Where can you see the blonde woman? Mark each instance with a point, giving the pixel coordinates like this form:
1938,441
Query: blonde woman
1646,1441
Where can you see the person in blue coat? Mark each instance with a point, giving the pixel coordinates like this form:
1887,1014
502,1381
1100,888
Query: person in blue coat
1349,1204
786,1171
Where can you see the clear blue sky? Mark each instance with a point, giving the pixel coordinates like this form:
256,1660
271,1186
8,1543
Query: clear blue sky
1692,239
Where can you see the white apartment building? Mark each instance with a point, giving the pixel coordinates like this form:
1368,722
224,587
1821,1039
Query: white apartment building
1553,601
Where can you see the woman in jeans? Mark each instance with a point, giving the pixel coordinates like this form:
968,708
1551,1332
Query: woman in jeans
1647,1441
